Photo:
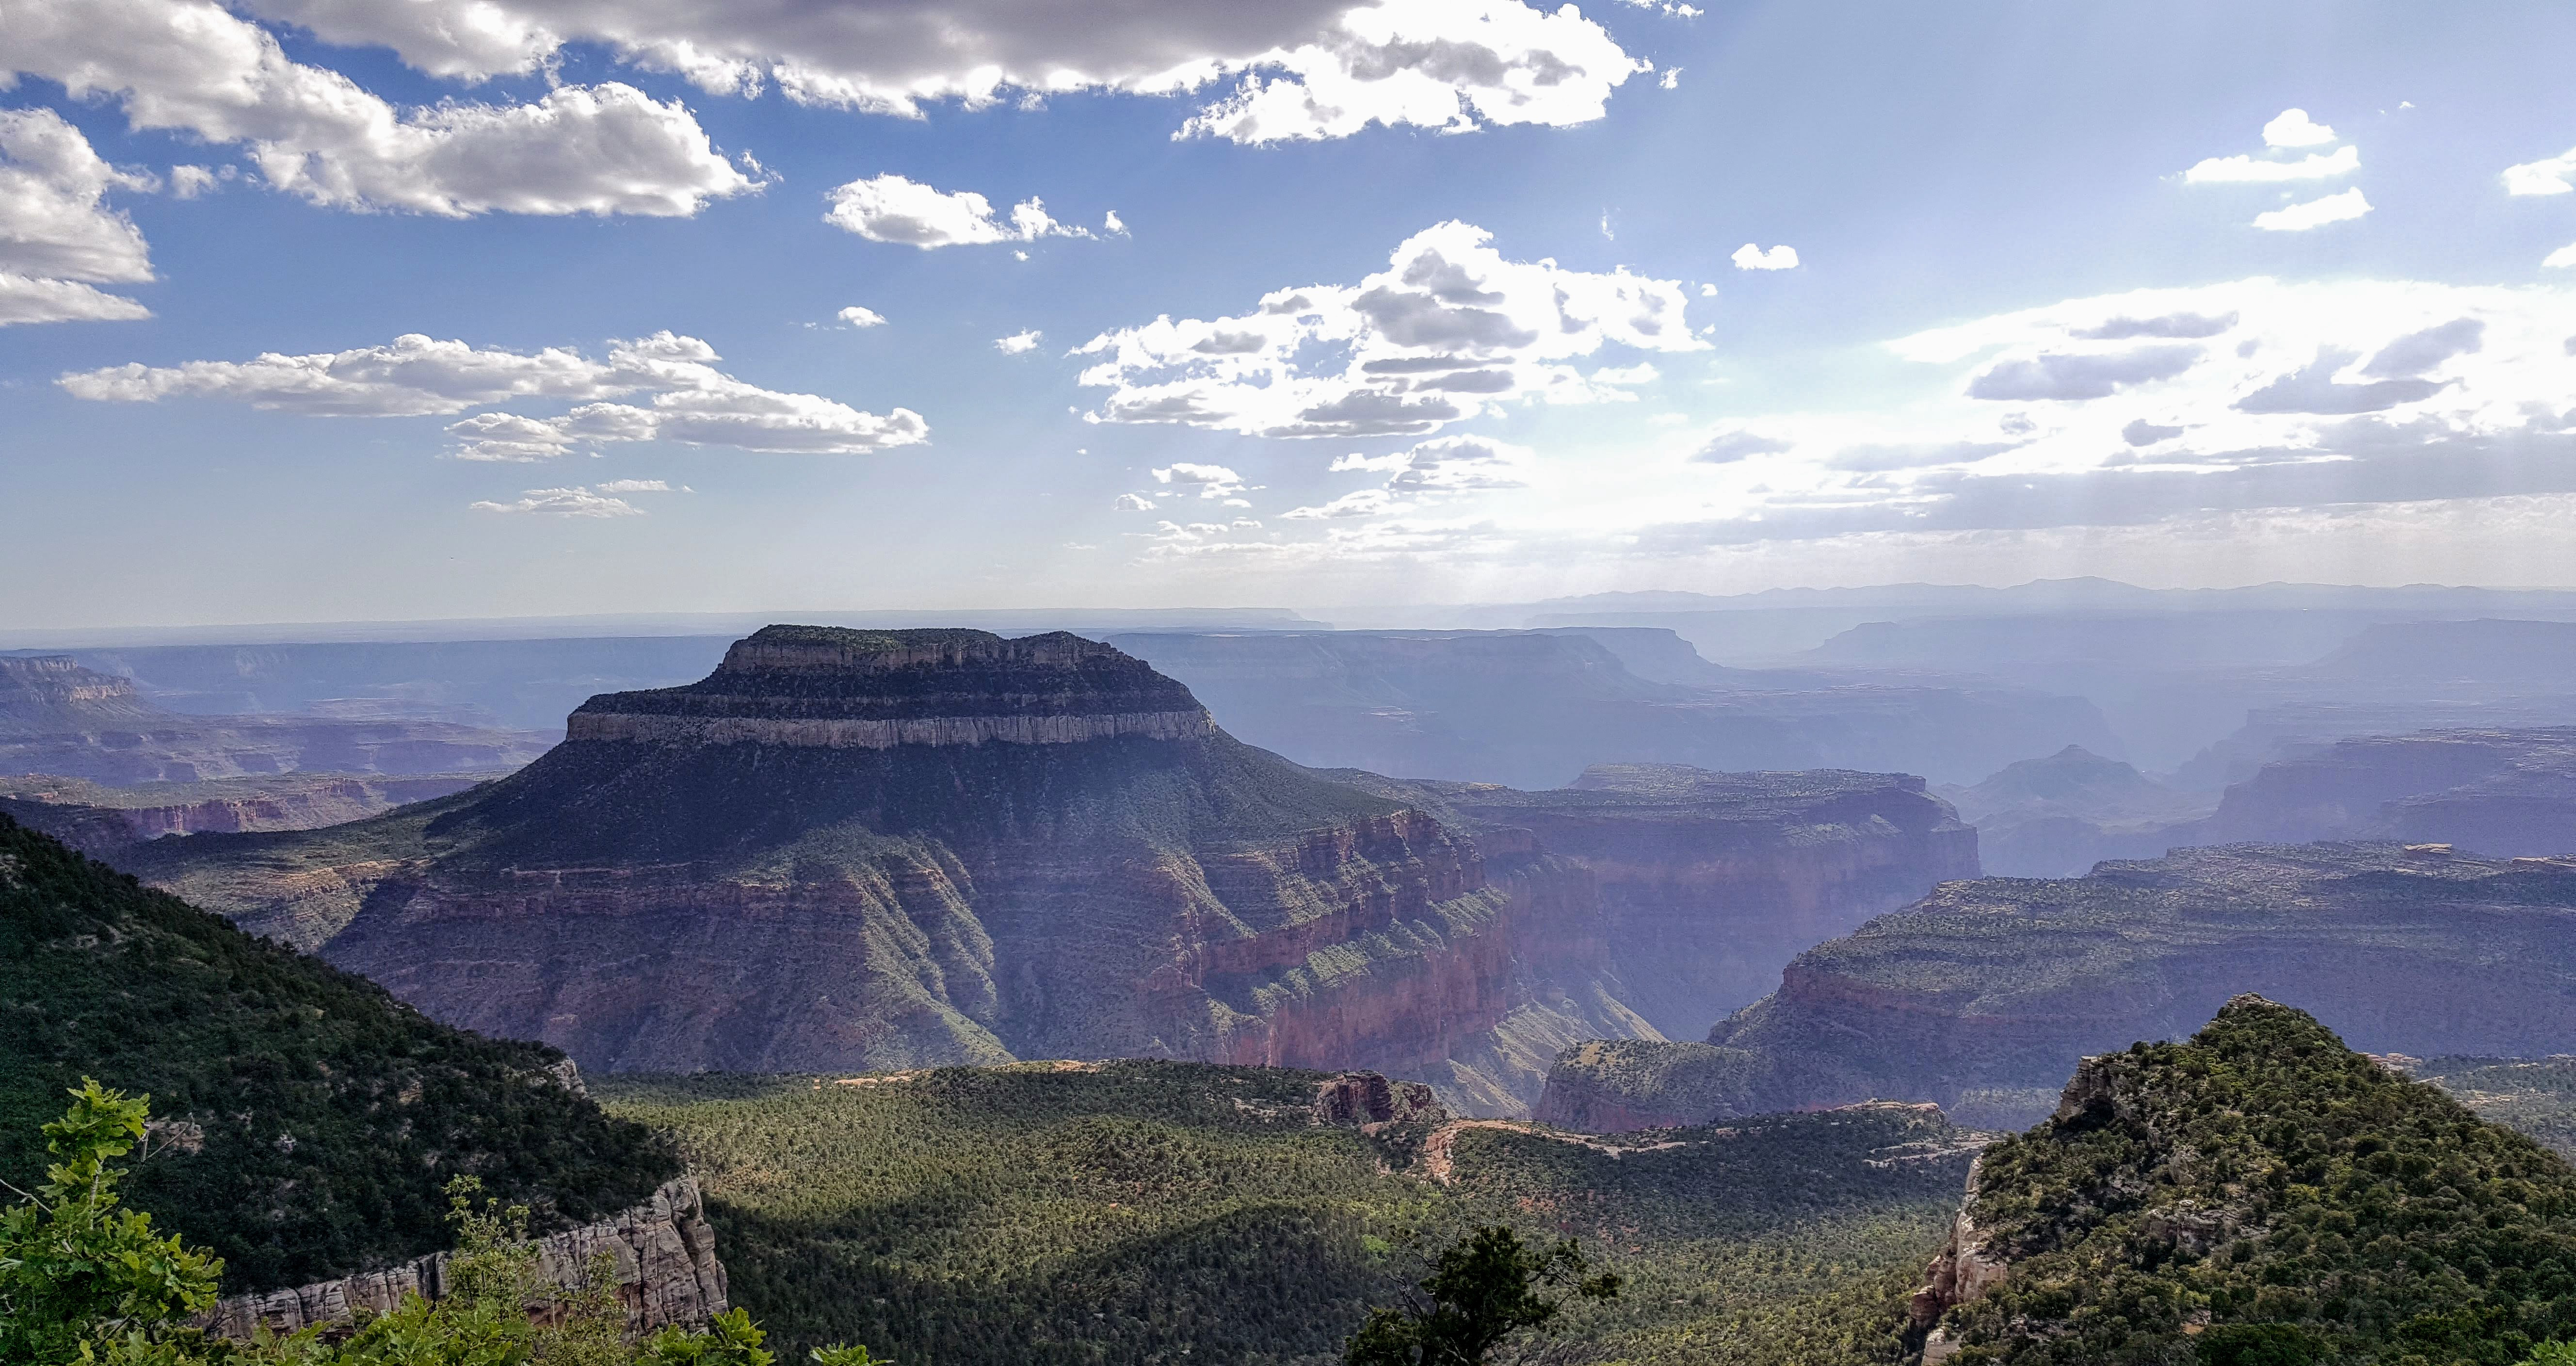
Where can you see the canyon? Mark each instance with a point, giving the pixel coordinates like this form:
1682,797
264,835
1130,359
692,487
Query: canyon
60,719
1984,994
853,851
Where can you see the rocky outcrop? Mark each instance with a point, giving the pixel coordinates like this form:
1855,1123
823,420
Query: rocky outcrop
1961,1273
1366,1098
663,1253
1616,1085
1997,987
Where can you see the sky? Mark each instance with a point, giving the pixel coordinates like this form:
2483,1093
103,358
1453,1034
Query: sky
322,310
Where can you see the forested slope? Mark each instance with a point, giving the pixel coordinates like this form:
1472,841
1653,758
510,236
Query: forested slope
309,1119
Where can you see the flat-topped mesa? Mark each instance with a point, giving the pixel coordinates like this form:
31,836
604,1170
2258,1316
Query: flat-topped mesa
832,687
55,680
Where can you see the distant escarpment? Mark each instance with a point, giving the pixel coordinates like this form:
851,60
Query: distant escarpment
2500,792
851,850
96,819
1983,993
61,719
2258,1194
1709,883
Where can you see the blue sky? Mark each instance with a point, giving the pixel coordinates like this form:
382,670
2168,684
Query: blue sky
2023,336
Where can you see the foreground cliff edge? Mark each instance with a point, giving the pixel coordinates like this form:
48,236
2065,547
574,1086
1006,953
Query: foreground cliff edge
2258,1193
858,851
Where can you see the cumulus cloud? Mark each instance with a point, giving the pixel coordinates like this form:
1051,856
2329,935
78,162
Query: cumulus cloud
571,502
2316,213
2549,175
1018,343
1133,502
193,66
1448,330
891,208
692,401
855,316
2293,128
1751,257
57,235
643,486
1303,68
1210,481
2249,170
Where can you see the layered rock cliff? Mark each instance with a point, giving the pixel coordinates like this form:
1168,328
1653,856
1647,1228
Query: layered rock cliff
860,850
1984,993
662,1255
1708,883
2502,792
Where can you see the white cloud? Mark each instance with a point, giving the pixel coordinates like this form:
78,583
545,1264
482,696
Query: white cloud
1133,502
414,376
891,208
1018,343
1751,257
188,182
855,316
56,230
1306,68
1362,503
193,66
1112,225
2550,175
693,402
1449,329
571,502
2316,213
1211,481
643,486
2564,256
2243,170
1453,65
2293,128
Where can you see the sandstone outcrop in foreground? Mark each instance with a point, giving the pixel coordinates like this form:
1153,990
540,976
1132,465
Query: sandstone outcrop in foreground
854,851
663,1251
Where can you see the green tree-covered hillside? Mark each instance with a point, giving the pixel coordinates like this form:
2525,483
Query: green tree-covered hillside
308,1121
1161,1212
